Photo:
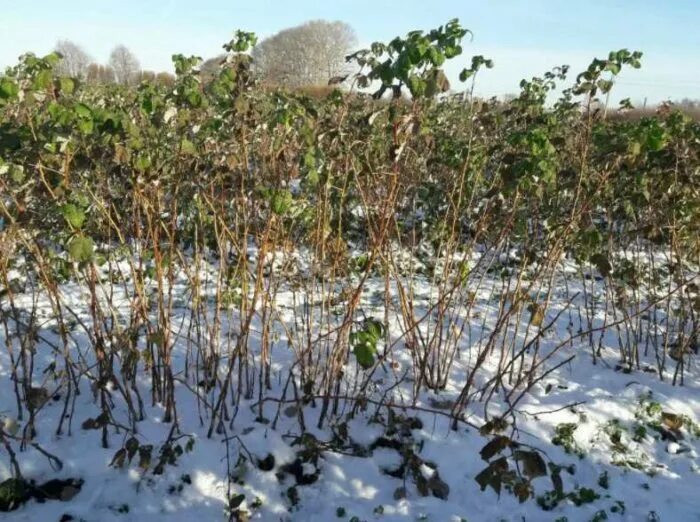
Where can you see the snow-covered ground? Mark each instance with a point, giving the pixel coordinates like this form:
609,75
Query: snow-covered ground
624,444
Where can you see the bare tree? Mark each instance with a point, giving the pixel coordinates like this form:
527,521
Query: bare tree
310,54
97,73
74,60
210,67
165,78
125,65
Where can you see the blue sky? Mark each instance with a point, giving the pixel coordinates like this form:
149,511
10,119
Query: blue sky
523,37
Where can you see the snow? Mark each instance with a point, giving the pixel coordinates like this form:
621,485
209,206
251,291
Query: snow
596,396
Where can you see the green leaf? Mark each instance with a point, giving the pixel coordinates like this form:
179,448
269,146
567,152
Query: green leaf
83,110
436,57
453,50
42,80
374,329
86,126
194,97
187,147
81,249
281,202
67,85
17,173
416,85
13,493
605,86
73,215
465,75
364,353
585,87
655,138
313,178
142,162
8,89
613,68
53,58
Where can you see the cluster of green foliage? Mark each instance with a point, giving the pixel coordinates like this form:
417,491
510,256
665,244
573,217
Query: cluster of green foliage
72,151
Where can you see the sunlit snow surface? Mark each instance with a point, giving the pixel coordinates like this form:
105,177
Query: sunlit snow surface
358,484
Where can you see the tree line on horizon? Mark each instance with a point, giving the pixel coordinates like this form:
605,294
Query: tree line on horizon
122,67
310,54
